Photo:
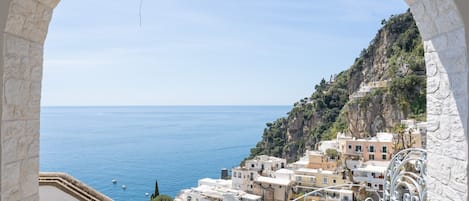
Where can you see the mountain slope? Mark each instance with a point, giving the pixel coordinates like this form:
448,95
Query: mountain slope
386,83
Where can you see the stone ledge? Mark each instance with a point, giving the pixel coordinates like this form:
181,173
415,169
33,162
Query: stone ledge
71,186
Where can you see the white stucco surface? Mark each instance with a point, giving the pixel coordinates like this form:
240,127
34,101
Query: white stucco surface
52,193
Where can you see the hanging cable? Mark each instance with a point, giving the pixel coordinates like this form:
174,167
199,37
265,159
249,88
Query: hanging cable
140,12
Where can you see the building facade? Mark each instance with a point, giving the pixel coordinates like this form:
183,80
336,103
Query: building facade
379,148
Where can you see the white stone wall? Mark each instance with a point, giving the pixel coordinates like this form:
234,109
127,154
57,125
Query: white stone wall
443,32
22,51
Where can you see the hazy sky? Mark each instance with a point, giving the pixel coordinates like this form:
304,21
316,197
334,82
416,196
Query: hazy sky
204,52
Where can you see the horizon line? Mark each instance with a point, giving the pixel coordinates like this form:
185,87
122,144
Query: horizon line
232,105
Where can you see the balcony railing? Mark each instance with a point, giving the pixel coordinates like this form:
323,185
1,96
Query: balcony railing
405,179
406,176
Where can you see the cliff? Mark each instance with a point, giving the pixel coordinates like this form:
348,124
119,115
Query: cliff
386,83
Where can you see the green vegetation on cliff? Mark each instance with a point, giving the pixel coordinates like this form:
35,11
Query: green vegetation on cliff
394,61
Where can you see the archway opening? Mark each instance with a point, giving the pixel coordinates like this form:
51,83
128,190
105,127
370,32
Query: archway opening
441,24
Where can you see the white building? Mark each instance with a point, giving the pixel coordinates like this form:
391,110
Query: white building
243,177
328,144
306,177
371,174
415,132
342,142
302,163
267,165
215,190
275,189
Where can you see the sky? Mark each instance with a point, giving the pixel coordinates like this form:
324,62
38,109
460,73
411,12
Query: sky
205,52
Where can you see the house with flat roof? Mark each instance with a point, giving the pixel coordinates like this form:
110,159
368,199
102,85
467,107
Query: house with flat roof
371,174
378,148
306,178
275,189
215,190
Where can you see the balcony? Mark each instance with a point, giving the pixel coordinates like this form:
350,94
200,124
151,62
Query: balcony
405,179
56,186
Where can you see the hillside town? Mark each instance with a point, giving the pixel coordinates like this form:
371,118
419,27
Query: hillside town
355,167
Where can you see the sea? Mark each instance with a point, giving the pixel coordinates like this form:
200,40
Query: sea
137,145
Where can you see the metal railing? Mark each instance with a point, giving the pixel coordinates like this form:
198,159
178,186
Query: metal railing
405,178
305,196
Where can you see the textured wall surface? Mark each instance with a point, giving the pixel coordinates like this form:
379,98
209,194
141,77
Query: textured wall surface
443,32
23,37
24,25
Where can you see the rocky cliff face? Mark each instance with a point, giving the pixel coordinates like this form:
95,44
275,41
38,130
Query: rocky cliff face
385,84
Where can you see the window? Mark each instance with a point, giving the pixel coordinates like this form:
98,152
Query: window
369,185
358,148
349,146
282,165
234,174
298,178
311,180
251,186
372,148
252,165
385,149
189,198
252,177
384,156
373,174
324,180
372,157
334,181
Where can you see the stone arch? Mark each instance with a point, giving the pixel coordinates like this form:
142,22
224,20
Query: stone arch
443,31
24,25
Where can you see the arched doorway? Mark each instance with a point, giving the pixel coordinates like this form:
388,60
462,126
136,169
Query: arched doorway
441,23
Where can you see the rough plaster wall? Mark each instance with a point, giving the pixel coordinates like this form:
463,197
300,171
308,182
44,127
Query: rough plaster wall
443,32
23,37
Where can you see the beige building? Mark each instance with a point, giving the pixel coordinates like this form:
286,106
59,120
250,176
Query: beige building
273,189
277,187
342,142
378,148
319,160
243,177
415,133
305,177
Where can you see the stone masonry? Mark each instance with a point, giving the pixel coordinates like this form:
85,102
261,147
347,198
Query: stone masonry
22,38
24,25
443,32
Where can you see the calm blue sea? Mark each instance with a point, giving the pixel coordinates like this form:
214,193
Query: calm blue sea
136,145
